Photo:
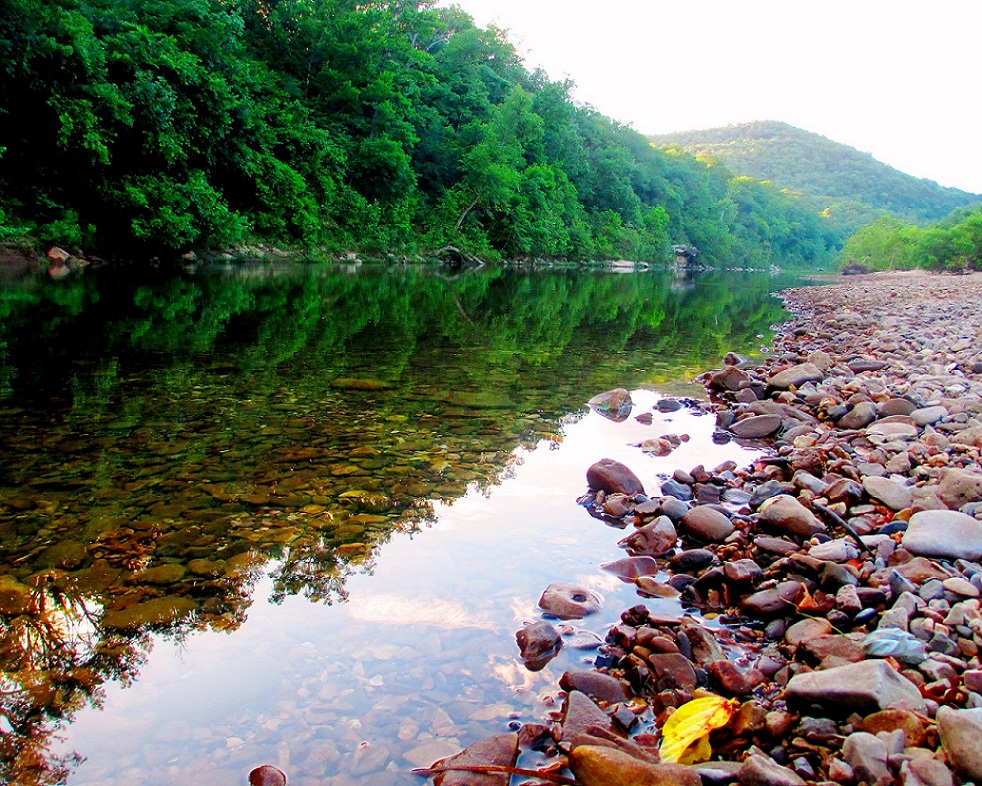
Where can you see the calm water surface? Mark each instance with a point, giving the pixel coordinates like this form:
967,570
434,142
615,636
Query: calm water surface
295,516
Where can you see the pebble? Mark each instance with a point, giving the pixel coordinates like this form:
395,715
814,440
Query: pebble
876,389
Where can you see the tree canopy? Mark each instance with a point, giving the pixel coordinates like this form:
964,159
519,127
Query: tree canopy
158,126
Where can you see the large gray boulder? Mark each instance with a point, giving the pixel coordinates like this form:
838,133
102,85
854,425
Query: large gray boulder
947,534
864,687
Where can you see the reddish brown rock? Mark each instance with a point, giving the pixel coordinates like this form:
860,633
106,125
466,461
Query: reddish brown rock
598,686
602,766
731,681
613,477
653,539
501,750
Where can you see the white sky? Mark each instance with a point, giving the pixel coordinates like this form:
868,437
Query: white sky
896,79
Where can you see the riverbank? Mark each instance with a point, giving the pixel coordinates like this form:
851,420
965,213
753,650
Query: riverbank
830,591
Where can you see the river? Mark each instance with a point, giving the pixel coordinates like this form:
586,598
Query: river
295,514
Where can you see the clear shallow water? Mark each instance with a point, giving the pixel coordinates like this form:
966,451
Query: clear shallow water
306,511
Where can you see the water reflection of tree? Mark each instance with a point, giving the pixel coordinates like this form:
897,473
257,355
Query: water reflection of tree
53,661
116,393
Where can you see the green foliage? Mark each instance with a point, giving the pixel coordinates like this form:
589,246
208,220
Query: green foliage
156,126
850,188
951,245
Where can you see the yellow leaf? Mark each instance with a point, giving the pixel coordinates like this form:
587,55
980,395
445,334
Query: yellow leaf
692,723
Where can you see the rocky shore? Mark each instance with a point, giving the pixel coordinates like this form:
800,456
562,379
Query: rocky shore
831,625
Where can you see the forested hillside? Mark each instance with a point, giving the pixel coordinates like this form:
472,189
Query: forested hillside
954,244
157,126
852,188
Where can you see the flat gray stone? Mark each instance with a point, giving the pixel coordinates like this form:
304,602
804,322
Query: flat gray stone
860,416
796,376
756,426
864,687
948,534
759,770
785,514
961,736
928,415
959,487
894,495
707,524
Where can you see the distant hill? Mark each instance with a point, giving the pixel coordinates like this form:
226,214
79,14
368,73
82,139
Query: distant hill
852,188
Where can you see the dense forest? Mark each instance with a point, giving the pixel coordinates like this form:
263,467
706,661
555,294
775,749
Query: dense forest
954,244
851,188
135,127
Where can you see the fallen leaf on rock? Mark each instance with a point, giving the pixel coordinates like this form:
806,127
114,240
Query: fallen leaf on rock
685,736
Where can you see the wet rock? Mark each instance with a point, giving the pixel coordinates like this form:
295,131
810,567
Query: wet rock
944,533
779,599
168,573
582,716
15,597
672,671
538,642
707,524
631,568
731,681
673,488
796,376
961,737
864,687
785,514
569,601
756,426
614,404
691,560
668,405
602,766
598,686
653,539
267,775
157,611
760,770
501,750
727,378
613,477
742,572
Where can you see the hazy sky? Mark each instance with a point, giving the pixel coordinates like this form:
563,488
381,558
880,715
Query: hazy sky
897,79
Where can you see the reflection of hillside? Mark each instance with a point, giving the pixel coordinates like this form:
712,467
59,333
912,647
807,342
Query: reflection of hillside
167,443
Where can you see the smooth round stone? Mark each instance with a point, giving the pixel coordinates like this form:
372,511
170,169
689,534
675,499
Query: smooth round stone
896,406
860,416
961,586
707,524
756,426
614,478
961,733
680,491
691,559
568,601
944,533
929,415
892,430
